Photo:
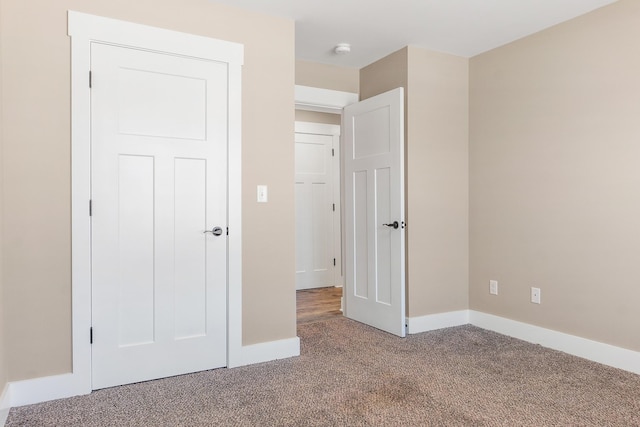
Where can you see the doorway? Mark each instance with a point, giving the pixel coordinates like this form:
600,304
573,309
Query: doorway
87,33
373,169
318,115
318,305
318,207
319,275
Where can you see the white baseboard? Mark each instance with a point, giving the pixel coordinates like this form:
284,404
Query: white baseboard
5,404
4,414
606,354
272,350
60,386
431,322
36,390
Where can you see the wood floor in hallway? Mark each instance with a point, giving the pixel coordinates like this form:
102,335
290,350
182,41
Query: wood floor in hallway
316,305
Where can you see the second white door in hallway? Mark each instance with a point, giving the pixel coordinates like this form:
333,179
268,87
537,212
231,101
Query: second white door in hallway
317,183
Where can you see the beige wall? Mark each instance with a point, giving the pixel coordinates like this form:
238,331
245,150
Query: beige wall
326,76
555,177
385,74
436,170
35,60
437,182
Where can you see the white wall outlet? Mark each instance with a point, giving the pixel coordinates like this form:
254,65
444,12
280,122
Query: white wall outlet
493,287
262,194
535,295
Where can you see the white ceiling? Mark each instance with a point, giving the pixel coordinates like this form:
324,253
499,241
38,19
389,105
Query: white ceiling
375,28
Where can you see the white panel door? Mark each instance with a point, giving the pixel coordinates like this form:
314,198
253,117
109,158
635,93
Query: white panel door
374,211
159,181
314,211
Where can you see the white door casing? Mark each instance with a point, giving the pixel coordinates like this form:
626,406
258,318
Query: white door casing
159,180
317,182
85,29
323,100
373,153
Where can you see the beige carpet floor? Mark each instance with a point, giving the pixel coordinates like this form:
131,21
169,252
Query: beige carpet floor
353,375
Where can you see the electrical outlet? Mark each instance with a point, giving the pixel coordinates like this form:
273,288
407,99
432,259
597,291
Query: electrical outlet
535,295
493,287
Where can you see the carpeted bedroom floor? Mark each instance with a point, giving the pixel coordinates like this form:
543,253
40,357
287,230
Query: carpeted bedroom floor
352,375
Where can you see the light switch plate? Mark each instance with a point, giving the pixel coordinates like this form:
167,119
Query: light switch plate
262,194
493,287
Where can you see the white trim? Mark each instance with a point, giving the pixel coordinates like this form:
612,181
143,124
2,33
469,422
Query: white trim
323,100
5,404
55,387
606,354
267,351
36,390
416,325
114,31
317,128
80,225
234,240
595,351
85,29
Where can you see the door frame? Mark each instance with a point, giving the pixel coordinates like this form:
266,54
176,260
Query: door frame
336,192
323,100
328,101
85,29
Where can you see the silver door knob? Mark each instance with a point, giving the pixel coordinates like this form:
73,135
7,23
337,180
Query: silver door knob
216,231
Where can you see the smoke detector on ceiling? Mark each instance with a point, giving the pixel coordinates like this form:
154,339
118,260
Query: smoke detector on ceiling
342,48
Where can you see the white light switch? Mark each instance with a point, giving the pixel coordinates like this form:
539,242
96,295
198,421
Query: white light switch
493,287
262,193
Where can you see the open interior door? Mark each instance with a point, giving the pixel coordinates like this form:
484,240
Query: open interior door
374,211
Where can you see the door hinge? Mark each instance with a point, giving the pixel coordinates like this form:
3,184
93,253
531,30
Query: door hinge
334,207
90,208
227,231
334,262
91,335
333,152
90,79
